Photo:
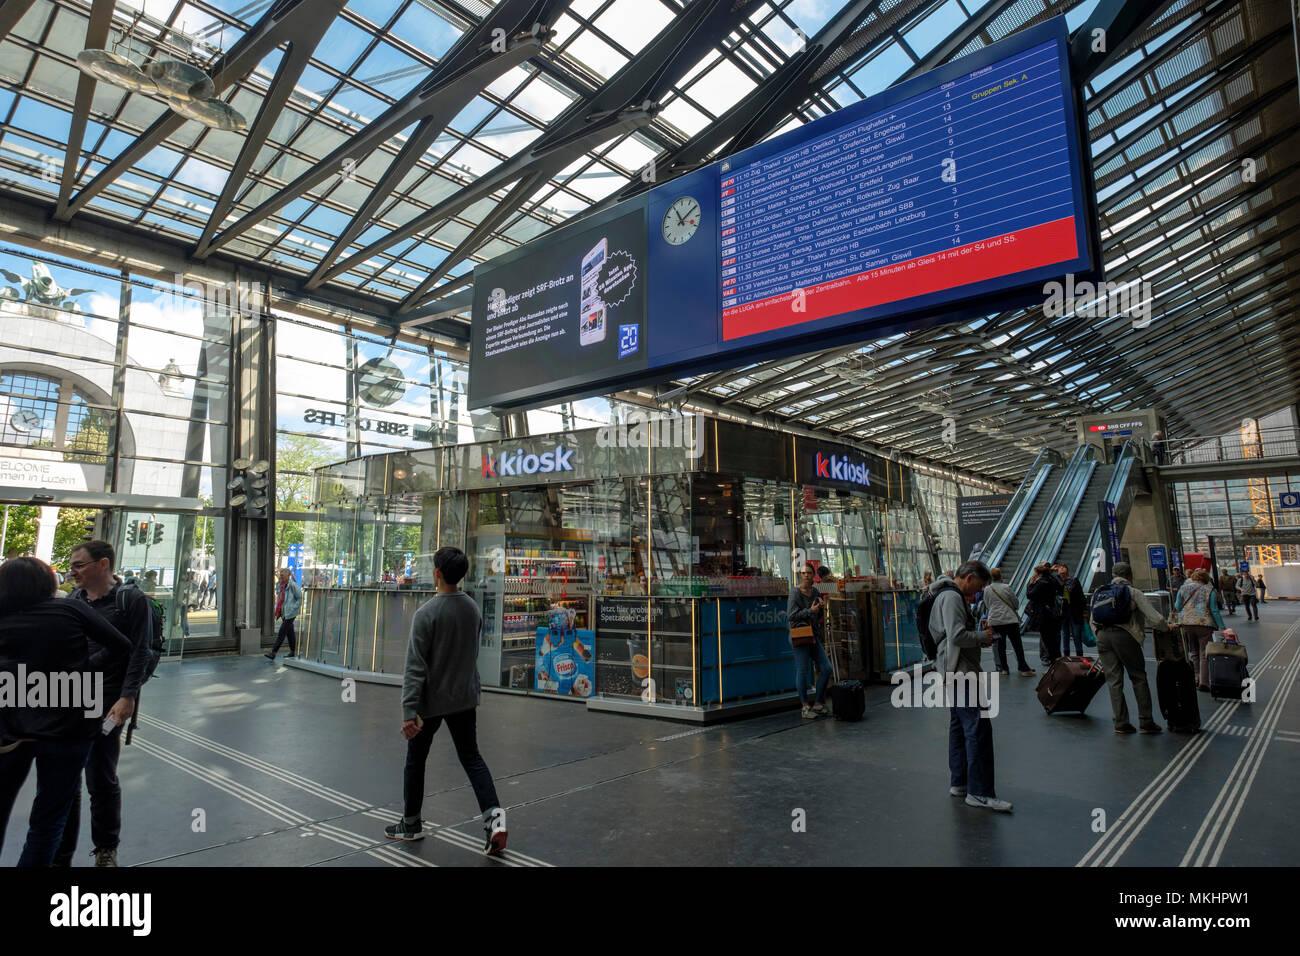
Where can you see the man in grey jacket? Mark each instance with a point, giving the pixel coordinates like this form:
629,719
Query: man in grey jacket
441,684
970,736
1119,646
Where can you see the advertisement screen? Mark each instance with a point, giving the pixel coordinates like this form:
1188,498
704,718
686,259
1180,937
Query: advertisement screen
572,308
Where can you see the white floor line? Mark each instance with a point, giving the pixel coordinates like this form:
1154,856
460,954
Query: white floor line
1212,837
1134,819
330,795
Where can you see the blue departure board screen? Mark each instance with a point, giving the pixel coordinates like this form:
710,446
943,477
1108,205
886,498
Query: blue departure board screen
965,182
957,193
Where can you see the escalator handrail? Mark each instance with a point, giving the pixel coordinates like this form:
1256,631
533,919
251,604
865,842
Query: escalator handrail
1083,456
1055,541
999,539
1114,492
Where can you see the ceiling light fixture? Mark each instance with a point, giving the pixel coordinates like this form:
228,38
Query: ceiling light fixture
185,88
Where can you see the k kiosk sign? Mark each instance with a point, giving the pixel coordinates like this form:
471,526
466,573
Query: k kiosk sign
834,466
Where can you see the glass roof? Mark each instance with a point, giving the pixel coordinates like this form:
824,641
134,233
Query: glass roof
361,183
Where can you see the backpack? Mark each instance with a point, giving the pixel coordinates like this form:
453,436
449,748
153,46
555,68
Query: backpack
156,615
1112,606
929,646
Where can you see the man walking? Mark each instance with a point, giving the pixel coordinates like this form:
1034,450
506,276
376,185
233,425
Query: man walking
128,610
1120,612
1246,588
1228,587
441,684
970,735
288,602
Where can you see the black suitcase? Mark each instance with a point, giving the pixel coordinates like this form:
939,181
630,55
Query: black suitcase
1070,684
1176,691
848,700
1227,673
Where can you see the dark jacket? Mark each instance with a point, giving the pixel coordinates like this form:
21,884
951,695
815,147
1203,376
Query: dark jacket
799,612
56,637
441,675
1042,595
134,619
1077,608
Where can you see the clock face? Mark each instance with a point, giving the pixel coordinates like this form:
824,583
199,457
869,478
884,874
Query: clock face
26,420
681,220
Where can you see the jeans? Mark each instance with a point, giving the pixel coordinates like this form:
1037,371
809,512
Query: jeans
1071,628
1252,608
803,661
286,633
464,735
1004,633
970,751
1120,653
105,800
58,784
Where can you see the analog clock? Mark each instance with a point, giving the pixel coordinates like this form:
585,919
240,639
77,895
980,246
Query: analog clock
26,420
681,220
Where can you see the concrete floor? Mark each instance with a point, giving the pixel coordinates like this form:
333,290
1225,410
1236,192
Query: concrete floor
288,774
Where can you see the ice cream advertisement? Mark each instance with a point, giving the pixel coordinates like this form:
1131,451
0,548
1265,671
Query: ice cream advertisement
566,661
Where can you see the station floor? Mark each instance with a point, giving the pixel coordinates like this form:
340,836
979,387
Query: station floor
281,772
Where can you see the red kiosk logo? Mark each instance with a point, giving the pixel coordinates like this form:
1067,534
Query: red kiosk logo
489,466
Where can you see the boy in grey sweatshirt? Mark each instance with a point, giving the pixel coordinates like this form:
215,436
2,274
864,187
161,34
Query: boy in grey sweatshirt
441,684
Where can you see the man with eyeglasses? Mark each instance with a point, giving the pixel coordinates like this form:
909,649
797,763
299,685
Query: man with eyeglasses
91,567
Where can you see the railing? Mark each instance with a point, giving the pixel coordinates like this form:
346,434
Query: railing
1059,511
1283,442
999,539
1088,563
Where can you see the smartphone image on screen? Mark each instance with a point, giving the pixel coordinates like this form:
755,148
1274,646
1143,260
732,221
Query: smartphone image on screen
591,310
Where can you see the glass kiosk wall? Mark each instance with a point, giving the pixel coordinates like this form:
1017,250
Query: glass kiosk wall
622,574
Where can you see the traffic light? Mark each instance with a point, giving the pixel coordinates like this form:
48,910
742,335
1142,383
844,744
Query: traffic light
157,532
250,487
90,524
132,532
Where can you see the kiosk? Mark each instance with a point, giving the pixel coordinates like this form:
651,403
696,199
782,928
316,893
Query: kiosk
642,567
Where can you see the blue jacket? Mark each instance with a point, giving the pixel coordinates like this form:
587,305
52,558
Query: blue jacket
292,599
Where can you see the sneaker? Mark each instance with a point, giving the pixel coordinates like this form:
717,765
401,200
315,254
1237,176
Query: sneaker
496,843
401,830
820,710
1125,729
269,657
988,803
807,712
1005,673
1152,728
104,857
956,791
1028,672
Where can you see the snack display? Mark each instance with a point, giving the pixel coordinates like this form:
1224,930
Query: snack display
565,664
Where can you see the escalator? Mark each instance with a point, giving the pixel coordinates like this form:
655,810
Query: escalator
1034,517
1010,536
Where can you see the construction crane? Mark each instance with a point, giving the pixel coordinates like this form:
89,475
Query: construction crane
1261,505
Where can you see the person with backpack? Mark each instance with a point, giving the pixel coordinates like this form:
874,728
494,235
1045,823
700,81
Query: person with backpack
945,616
1074,611
1003,609
440,684
129,610
288,603
48,636
1197,606
1120,615
1045,595
1246,588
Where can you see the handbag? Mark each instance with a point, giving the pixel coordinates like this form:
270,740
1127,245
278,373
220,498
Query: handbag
802,636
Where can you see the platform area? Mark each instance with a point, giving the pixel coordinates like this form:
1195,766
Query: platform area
281,771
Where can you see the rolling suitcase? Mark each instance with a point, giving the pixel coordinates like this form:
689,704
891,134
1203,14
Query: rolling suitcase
1227,665
848,700
1176,683
1070,684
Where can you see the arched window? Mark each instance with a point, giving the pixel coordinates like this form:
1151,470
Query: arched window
39,411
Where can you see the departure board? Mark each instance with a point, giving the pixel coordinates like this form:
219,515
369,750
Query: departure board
968,181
